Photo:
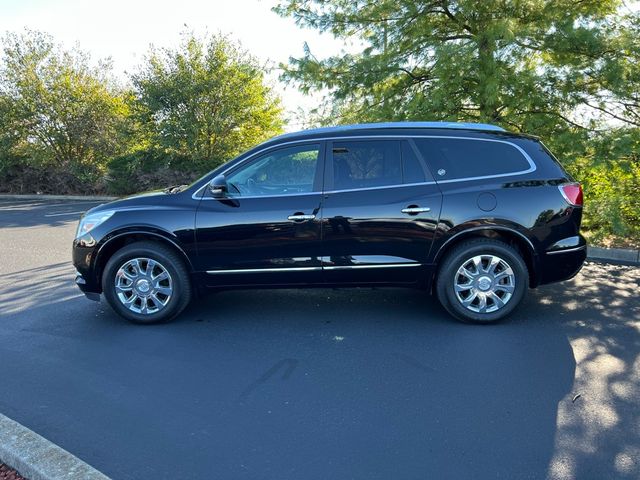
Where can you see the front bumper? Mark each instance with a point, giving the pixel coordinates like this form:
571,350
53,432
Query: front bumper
84,288
83,253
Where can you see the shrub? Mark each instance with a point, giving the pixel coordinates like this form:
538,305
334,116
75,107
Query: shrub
145,170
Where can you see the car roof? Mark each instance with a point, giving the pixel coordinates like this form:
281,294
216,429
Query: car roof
487,127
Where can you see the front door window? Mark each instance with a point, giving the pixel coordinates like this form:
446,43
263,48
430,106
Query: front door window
285,171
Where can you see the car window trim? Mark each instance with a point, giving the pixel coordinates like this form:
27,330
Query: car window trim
199,193
423,164
379,187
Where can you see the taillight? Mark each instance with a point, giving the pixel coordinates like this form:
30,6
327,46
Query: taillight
572,193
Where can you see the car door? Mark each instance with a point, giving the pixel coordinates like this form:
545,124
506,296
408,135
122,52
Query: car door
380,212
266,228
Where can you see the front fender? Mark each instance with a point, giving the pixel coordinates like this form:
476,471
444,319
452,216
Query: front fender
139,233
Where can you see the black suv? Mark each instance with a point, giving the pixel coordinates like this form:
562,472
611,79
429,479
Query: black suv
469,211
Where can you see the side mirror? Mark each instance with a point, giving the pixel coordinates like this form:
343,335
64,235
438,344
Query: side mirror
218,186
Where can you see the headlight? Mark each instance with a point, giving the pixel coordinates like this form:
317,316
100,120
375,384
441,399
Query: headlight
91,221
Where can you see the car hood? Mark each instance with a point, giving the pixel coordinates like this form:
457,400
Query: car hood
154,197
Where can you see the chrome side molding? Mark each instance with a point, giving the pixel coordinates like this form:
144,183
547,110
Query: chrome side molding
312,269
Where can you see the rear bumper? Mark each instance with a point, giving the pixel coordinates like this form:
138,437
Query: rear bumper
558,264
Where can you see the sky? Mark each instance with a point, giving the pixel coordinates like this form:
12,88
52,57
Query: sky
124,29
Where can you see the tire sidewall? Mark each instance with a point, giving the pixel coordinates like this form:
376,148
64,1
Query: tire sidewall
446,277
120,258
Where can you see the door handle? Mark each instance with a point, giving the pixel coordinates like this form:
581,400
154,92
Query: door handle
415,210
298,217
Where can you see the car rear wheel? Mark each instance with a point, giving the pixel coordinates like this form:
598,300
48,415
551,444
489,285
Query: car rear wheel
482,281
146,282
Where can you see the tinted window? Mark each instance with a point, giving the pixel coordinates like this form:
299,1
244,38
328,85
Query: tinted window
459,158
366,164
281,172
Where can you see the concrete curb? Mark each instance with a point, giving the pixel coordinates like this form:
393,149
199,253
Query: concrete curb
55,197
614,255
36,458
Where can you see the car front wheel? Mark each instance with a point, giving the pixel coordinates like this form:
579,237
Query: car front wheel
146,282
482,281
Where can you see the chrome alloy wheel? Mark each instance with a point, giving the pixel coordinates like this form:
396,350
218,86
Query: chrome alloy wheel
143,285
484,283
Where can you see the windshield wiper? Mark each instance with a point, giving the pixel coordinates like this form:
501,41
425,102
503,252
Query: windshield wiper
175,189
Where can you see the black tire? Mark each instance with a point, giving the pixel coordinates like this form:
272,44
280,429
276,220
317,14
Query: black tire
170,261
459,255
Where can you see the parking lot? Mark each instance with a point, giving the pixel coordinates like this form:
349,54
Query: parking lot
318,384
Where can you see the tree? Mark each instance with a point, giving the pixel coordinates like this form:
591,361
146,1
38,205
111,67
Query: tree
205,101
611,85
59,115
512,63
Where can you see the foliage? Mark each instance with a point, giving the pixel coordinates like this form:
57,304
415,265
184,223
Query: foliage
487,60
148,169
60,117
206,100
611,86
612,206
67,127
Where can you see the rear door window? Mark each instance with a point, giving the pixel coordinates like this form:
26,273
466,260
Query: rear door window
362,164
460,158
366,164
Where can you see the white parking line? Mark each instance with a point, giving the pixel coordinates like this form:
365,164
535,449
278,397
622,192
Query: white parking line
65,213
18,205
39,205
67,204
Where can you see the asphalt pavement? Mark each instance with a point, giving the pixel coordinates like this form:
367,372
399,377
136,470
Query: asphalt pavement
318,384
